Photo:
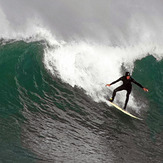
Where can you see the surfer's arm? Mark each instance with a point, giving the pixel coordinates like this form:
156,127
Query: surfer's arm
114,82
138,84
145,89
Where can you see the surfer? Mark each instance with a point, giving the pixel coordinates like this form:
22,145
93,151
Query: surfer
127,80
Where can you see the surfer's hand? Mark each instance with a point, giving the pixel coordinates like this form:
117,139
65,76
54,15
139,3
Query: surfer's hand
145,89
108,85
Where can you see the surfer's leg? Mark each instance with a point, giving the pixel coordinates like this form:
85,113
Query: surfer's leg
115,91
127,98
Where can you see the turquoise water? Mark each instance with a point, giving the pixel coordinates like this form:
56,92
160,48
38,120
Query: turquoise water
43,119
153,71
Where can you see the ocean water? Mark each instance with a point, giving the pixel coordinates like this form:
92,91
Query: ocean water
44,119
53,101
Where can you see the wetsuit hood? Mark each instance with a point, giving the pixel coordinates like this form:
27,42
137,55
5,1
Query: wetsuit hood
127,74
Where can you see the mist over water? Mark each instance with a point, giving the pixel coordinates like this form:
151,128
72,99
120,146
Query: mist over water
112,22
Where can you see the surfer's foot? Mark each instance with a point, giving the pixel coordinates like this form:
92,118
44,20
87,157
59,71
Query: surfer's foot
111,100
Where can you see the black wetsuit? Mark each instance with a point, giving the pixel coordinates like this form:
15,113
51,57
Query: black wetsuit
127,85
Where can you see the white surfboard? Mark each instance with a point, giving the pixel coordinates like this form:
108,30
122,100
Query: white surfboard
127,113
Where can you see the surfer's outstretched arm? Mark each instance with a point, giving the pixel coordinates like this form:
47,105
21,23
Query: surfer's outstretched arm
114,82
145,89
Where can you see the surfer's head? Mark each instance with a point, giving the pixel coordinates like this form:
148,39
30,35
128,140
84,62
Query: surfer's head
127,74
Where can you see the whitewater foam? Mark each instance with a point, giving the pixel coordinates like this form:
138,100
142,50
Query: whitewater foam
91,66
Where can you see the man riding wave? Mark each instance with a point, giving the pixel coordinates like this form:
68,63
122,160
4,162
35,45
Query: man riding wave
127,85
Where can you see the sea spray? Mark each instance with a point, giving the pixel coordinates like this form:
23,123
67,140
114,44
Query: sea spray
91,66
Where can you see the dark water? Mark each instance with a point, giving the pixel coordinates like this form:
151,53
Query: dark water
43,119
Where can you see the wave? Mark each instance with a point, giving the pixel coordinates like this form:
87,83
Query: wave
90,66
47,105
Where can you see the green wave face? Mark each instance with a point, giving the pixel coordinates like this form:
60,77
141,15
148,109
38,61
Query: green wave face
150,72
